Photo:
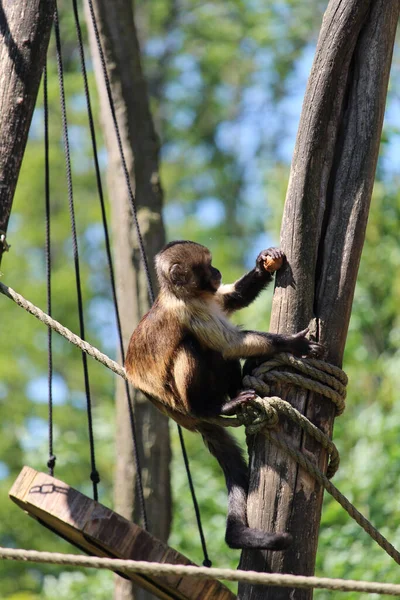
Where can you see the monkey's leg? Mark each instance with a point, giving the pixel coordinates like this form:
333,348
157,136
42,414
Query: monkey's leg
229,455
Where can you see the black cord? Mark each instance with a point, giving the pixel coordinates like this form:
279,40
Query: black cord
94,475
52,459
206,562
142,250
110,263
122,155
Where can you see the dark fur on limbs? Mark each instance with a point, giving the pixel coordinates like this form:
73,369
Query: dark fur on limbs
184,355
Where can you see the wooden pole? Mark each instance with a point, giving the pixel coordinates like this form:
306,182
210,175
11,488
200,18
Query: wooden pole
25,27
322,234
115,21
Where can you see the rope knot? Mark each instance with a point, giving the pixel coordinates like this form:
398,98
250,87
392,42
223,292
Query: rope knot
258,414
310,374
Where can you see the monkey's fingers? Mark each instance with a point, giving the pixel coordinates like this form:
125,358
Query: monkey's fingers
301,334
274,253
273,260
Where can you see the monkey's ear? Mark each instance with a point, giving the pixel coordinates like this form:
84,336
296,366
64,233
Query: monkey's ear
179,275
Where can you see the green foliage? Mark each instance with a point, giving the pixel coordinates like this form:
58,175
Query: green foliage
224,83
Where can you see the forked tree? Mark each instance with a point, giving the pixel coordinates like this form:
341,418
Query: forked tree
322,233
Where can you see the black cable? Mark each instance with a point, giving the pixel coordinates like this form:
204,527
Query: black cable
110,262
206,562
122,155
141,245
94,475
52,459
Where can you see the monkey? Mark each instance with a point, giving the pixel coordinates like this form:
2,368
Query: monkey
185,356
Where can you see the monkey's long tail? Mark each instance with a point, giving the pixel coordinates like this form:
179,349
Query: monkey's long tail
230,457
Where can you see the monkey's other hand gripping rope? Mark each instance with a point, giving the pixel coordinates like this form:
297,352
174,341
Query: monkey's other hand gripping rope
262,414
315,375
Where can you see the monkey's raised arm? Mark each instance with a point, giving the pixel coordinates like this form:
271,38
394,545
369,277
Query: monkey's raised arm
240,294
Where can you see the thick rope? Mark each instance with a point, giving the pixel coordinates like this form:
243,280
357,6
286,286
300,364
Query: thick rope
227,422
113,366
323,378
339,497
64,331
160,570
262,414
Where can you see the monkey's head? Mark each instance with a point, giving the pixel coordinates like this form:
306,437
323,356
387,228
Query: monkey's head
184,268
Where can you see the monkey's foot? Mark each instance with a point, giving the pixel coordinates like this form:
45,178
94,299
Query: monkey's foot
231,407
240,536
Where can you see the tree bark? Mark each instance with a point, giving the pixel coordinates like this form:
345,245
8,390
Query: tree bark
115,21
25,27
322,233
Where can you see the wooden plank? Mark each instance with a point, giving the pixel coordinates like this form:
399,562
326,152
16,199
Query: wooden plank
99,531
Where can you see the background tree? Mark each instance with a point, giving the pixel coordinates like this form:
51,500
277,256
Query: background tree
141,147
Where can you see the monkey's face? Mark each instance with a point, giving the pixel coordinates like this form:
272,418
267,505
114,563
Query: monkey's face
185,269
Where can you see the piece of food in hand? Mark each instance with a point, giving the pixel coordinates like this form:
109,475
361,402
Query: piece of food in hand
273,263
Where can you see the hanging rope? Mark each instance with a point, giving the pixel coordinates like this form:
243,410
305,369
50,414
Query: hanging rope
94,474
145,264
52,458
157,569
138,469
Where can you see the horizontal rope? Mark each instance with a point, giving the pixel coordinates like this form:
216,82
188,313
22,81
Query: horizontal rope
119,370
64,331
158,570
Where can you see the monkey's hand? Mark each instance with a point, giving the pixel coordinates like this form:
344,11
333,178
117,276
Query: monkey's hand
299,345
270,260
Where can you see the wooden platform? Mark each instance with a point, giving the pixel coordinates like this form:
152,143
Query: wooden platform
99,531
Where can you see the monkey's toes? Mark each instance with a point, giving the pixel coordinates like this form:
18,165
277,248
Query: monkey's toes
230,408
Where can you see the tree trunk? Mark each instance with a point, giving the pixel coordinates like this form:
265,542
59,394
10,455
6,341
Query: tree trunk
115,21
25,27
323,231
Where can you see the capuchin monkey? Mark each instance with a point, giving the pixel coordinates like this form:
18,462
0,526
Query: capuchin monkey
184,356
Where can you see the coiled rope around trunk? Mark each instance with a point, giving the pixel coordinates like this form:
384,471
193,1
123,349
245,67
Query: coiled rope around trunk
261,414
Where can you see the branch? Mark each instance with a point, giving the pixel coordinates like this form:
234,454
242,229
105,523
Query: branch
25,27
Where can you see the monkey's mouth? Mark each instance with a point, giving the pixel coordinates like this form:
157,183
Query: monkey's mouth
215,282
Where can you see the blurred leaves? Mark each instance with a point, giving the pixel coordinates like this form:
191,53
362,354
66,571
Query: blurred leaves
226,81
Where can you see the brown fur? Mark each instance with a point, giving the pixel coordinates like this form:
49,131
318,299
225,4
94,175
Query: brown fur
184,355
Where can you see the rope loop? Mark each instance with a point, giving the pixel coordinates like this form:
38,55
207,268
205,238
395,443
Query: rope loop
257,415
312,374
315,375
